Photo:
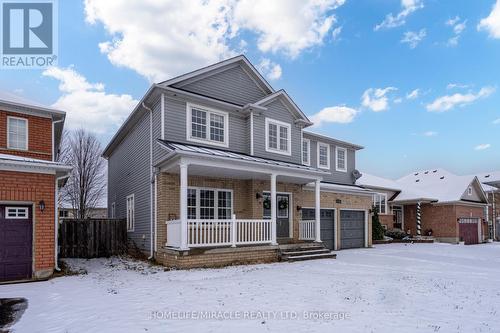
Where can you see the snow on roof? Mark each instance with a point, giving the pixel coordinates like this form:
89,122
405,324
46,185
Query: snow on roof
369,180
426,185
489,177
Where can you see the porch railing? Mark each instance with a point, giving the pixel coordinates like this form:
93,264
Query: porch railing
307,229
213,233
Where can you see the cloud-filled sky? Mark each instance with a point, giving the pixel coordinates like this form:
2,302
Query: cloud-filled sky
414,81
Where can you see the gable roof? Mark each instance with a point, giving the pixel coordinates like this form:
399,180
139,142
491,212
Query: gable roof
289,103
330,139
490,178
435,185
217,67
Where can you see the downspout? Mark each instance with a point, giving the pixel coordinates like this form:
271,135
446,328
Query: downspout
151,182
56,223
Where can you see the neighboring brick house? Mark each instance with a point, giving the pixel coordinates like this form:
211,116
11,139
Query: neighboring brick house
29,180
491,185
215,167
451,207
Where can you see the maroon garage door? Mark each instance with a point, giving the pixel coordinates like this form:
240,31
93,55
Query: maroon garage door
468,230
16,239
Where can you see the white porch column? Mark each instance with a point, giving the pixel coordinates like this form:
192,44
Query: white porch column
317,210
183,204
273,209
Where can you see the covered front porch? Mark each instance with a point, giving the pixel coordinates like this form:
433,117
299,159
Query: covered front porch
212,202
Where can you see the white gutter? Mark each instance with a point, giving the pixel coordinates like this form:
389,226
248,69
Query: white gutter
151,182
56,223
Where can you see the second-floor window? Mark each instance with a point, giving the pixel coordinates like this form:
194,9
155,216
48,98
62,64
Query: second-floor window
278,137
17,133
207,125
306,154
323,155
341,159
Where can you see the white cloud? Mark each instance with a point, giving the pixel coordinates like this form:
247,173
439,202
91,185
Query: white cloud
492,22
457,85
496,121
336,33
151,38
376,99
413,94
334,114
448,102
413,38
393,21
458,28
398,100
87,104
270,69
482,146
430,133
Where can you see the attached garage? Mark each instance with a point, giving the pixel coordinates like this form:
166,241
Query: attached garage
327,224
16,242
352,228
468,229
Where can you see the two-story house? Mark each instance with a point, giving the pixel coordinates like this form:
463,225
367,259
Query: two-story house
29,182
215,167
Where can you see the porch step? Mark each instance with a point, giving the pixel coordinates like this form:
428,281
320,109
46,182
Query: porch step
312,257
305,251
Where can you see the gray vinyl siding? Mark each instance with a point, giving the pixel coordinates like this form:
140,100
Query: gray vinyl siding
475,193
129,173
175,126
232,85
334,176
277,111
158,152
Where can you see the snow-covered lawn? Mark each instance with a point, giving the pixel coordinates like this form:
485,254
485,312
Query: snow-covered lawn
389,288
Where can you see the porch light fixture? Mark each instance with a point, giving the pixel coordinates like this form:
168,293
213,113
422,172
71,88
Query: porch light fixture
41,205
299,208
258,195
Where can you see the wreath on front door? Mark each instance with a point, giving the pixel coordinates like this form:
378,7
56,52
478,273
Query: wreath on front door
283,204
267,203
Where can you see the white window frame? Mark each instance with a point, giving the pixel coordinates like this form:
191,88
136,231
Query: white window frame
9,146
308,162
469,191
279,124
113,210
189,110
16,212
130,215
377,196
216,200
327,166
337,149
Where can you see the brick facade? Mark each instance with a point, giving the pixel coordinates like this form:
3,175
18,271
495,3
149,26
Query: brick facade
246,205
442,219
387,220
32,188
39,136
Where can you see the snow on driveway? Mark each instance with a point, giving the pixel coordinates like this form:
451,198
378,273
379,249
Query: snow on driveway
389,288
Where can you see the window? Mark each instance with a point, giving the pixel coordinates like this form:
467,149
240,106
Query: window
280,213
207,125
209,204
380,202
278,137
64,213
306,147
130,213
16,212
341,159
323,155
113,210
469,190
17,133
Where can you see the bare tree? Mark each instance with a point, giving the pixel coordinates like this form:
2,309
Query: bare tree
86,186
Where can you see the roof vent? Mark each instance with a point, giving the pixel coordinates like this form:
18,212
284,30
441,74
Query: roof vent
434,171
487,176
426,172
416,181
442,177
415,174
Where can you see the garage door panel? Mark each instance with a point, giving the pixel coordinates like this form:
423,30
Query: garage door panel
327,219
352,227
16,239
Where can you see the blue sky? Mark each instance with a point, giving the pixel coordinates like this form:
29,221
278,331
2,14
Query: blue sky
347,64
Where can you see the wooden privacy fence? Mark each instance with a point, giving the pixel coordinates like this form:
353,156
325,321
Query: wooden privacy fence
92,238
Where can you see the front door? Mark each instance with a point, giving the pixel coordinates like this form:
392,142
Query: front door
282,213
398,217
